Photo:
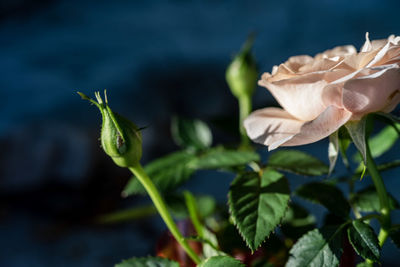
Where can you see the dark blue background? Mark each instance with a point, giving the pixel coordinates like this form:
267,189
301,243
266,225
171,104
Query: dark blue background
156,58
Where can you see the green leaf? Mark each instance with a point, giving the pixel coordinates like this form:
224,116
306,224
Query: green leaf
211,247
217,158
297,162
206,205
327,195
316,249
193,134
356,130
258,204
381,142
167,173
367,200
148,262
364,240
221,261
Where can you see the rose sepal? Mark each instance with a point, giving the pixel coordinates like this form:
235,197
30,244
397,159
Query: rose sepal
120,138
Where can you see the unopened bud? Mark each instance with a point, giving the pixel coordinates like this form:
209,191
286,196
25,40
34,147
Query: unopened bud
120,138
242,73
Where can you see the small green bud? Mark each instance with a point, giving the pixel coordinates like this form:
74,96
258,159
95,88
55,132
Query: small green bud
120,138
242,73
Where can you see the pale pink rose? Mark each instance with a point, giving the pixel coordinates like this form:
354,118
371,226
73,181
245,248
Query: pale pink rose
319,94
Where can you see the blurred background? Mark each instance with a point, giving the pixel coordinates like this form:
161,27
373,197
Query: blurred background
155,58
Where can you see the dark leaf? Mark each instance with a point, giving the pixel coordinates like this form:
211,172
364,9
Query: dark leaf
193,134
364,240
367,200
258,204
327,195
317,248
297,162
217,158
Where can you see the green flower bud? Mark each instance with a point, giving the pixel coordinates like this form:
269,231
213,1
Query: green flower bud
120,138
242,73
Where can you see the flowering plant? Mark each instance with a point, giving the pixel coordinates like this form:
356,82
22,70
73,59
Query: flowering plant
320,94
338,93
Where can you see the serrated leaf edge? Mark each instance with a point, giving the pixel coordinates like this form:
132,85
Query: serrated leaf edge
355,247
326,243
271,232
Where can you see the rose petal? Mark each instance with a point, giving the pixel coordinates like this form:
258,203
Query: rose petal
280,72
332,95
300,96
391,56
325,124
296,62
393,102
373,92
367,45
325,64
360,60
269,125
382,52
381,47
375,53
376,44
289,69
275,127
341,51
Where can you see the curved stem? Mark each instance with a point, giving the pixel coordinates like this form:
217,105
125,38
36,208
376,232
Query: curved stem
161,207
245,107
383,197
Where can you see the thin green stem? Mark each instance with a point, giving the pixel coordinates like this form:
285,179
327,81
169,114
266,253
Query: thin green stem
128,215
162,209
193,214
383,197
245,106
